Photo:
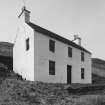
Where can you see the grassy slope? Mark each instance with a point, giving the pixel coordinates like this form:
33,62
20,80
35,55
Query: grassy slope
6,49
14,91
96,79
21,92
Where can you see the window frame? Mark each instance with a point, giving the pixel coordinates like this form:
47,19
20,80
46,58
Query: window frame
70,52
52,45
82,73
82,56
51,67
27,44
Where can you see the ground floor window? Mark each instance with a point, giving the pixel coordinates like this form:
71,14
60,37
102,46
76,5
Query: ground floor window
82,73
51,67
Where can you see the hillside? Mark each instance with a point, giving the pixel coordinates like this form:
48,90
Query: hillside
6,55
21,92
6,49
98,63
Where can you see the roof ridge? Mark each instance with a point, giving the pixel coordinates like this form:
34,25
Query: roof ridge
56,36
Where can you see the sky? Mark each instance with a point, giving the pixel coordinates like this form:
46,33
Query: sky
64,17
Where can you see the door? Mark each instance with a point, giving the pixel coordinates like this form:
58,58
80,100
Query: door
69,68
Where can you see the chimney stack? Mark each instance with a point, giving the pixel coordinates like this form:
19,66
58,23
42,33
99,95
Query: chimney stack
26,14
79,41
76,37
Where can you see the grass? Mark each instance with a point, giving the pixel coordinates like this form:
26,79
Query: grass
21,92
16,91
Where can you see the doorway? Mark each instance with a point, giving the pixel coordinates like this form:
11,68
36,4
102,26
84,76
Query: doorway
69,69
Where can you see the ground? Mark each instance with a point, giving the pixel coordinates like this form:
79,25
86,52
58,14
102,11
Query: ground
15,91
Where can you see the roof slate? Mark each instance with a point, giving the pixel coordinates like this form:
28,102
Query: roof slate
55,36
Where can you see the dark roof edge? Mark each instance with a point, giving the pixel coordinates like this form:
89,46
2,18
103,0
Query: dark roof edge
56,36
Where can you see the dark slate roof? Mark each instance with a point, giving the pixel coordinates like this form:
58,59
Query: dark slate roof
55,36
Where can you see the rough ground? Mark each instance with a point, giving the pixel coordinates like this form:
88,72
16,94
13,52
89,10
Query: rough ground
14,91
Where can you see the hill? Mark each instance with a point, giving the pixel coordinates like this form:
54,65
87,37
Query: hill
98,70
6,55
98,63
6,49
22,92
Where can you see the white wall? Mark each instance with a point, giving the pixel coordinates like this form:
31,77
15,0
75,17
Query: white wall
34,64
43,55
23,61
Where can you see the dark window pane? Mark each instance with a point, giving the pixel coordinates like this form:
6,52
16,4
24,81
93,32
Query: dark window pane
27,44
69,52
51,68
82,73
82,56
52,45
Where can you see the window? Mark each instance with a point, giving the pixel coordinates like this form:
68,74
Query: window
82,73
52,45
69,52
82,56
51,68
27,44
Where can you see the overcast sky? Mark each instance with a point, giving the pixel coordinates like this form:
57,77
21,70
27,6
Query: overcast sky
64,17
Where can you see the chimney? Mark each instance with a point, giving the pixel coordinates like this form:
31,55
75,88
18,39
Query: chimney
79,41
76,37
26,14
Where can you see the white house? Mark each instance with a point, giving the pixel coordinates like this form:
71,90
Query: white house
41,55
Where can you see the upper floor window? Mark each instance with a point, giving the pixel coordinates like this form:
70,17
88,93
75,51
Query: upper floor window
82,73
51,68
82,56
27,44
52,45
69,52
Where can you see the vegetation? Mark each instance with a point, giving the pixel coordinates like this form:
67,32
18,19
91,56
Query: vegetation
16,91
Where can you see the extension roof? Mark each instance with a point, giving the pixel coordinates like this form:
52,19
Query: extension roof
55,36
